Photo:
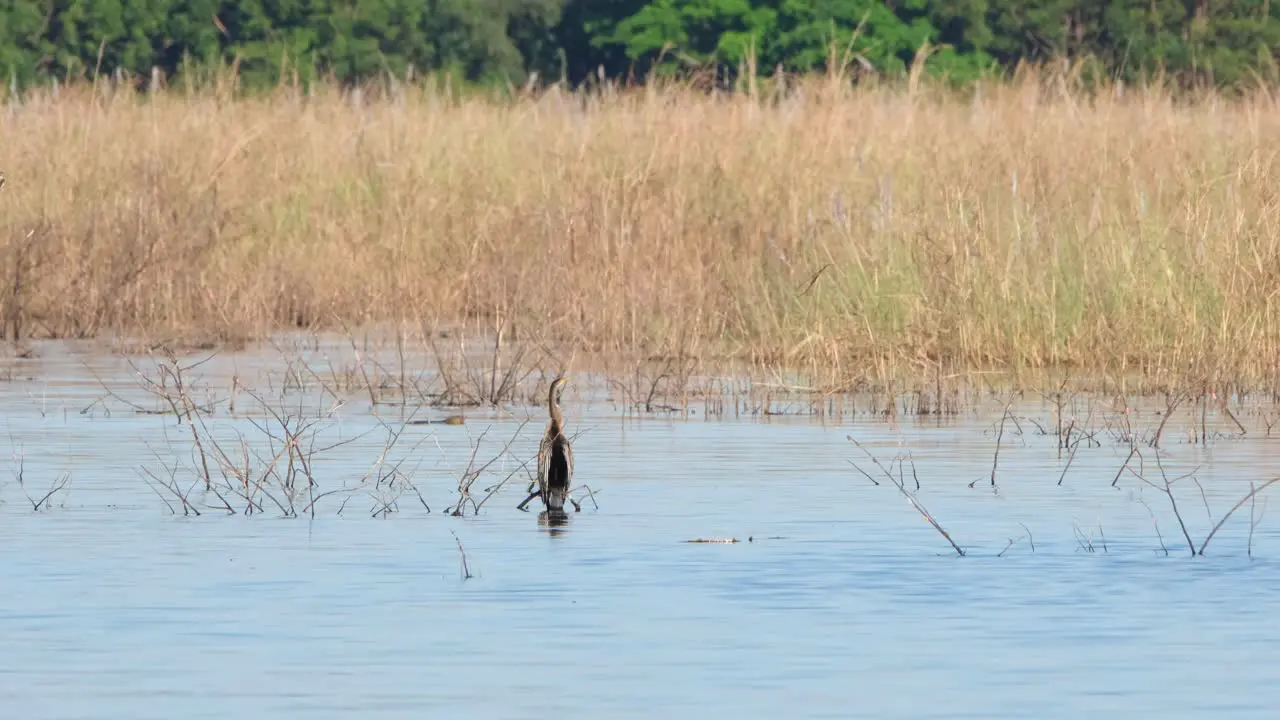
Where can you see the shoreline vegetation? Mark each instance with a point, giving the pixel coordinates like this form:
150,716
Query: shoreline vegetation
851,233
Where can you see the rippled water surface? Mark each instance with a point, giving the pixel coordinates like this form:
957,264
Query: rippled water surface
838,601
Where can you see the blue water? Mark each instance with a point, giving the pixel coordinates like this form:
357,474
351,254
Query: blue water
839,601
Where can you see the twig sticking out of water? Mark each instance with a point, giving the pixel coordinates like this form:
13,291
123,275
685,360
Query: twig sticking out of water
864,473
532,496
1120,472
1156,524
368,384
995,460
491,379
1084,541
491,491
59,484
1203,498
1070,459
902,488
1006,547
1204,417
466,569
1171,403
1015,541
387,477
472,473
1059,402
591,494
1225,407
19,474
1167,489
1030,538
1254,518
1253,493
172,486
180,402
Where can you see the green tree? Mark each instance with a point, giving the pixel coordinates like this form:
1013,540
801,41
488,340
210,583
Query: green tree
270,38
1233,42
122,33
475,37
584,37
799,35
813,29
696,30
962,36
190,37
505,40
23,24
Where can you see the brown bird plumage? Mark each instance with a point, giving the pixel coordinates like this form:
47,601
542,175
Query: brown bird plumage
555,455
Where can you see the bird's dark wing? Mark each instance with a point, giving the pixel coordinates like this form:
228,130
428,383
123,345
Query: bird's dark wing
560,464
559,473
568,461
544,462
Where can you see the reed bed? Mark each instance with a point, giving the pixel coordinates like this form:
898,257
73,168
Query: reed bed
848,231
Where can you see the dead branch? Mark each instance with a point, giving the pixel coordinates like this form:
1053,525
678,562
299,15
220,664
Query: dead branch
902,488
466,569
1252,494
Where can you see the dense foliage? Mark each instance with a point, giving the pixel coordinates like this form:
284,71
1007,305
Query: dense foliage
508,40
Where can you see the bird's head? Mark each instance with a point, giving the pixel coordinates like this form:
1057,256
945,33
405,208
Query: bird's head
557,387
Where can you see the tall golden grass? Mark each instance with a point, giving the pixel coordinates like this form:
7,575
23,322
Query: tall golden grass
1023,225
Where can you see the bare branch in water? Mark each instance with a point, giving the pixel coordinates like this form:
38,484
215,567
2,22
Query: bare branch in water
1070,459
1254,518
1171,404
532,496
995,460
902,488
864,472
1030,538
1173,503
1012,541
590,493
1253,492
1084,541
1204,498
58,484
1155,523
466,569
1120,472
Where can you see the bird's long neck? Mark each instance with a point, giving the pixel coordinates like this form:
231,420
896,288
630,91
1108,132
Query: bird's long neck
553,408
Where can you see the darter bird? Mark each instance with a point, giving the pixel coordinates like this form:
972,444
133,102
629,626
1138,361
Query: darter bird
555,455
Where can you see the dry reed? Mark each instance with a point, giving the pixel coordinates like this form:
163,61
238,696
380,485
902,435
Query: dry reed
1029,225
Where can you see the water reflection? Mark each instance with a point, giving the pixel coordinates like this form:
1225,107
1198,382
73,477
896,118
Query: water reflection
556,521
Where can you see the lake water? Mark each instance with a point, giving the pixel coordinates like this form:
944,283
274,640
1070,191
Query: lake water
839,601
